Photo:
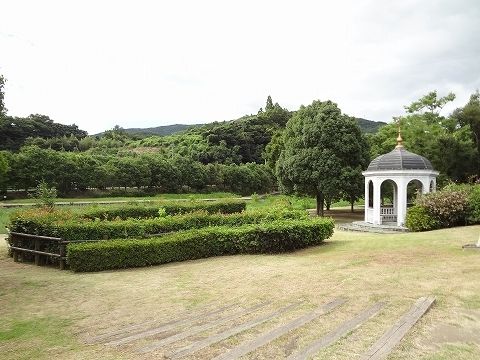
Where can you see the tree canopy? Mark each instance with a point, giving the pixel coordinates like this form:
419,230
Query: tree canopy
322,149
446,141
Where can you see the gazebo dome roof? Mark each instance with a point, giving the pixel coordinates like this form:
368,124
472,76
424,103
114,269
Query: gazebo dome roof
400,159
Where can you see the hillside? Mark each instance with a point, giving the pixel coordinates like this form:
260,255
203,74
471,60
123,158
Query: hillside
367,126
161,130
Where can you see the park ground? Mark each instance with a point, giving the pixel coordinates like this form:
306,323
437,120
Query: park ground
47,313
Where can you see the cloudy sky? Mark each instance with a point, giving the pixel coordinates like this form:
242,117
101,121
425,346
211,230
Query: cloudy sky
150,63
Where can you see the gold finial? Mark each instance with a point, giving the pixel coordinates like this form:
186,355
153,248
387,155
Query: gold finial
399,138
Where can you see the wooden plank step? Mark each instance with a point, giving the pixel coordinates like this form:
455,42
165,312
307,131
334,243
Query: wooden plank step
338,333
395,334
165,327
265,338
169,325
190,349
196,329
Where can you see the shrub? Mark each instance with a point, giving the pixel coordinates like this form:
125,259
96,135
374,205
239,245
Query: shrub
448,207
419,219
473,216
171,208
81,229
452,206
473,195
278,236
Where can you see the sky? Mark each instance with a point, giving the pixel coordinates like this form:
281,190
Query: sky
149,63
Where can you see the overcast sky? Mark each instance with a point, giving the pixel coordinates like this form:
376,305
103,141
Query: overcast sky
150,63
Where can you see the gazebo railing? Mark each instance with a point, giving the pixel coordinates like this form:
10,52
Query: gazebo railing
388,214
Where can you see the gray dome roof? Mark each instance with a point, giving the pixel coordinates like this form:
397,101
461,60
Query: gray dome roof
400,159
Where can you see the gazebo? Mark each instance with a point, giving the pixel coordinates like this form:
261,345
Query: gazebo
399,168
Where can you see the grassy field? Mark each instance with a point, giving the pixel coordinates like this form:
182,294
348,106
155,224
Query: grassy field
217,195
47,313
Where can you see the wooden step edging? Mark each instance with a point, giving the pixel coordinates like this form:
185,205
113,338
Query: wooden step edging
198,345
338,333
269,336
197,329
396,333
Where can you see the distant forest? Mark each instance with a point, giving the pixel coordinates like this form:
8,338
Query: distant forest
238,155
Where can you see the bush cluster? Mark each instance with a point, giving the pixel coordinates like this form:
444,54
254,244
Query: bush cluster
170,208
274,237
453,206
473,196
74,229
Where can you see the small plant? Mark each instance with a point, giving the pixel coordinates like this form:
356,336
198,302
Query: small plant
45,195
162,212
255,198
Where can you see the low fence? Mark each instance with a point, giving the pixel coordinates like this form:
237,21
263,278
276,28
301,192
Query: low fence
21,246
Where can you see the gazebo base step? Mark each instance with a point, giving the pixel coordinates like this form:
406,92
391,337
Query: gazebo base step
388,228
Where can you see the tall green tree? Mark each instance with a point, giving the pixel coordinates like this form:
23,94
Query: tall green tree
269,104
320,145
430,103
3,109
442,140
3,172
469,116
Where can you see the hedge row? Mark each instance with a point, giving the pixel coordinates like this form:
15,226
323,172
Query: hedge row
455,205
171,208
75,229
278,236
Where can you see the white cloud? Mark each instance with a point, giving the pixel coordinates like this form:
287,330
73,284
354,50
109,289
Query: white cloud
149,63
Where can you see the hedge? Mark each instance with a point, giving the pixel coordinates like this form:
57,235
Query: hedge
275,237
75,229
171,208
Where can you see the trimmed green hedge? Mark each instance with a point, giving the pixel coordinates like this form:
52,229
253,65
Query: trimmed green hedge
278,236
170,208
75,229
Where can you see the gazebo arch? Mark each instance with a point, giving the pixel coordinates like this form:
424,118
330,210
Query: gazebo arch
400,167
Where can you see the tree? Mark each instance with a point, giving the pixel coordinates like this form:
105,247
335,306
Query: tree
269,104
320,145
469,116
3,109
353,189
274,149
443,140
431,102
3,172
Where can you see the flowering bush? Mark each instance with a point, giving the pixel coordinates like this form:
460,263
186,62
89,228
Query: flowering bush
448,207
455,205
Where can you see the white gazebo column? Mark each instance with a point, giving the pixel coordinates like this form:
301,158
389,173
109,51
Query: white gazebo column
395,197
425,185
367,197
402,201
376,201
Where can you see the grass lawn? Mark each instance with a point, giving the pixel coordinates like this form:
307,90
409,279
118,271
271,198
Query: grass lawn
51,314
217,195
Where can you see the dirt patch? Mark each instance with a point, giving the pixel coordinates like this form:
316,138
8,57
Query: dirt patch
467,332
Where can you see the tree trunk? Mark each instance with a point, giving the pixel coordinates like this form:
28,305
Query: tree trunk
351,205
328,202
320,201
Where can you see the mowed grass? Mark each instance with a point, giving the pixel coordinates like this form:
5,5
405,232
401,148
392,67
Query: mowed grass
47,313
216,195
